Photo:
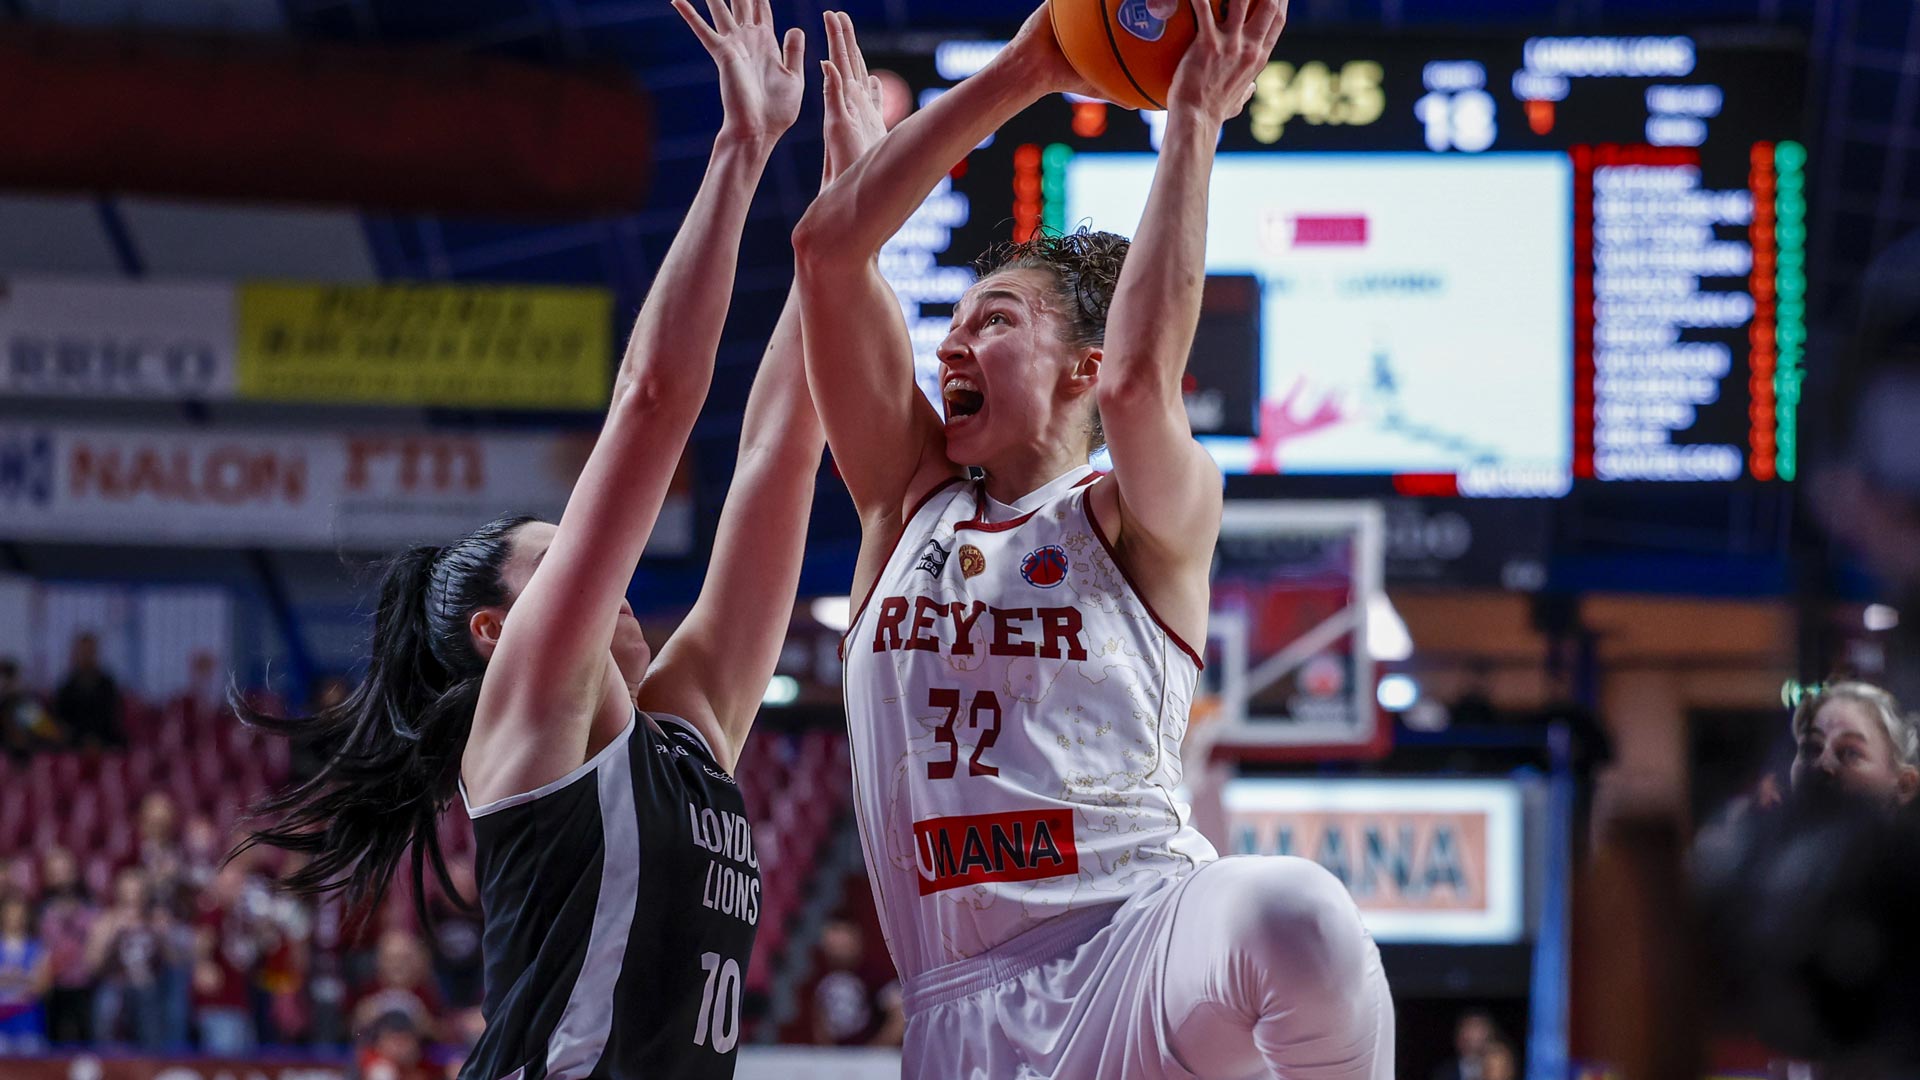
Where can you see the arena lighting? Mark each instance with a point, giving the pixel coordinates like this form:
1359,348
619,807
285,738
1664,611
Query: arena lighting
1790,322
1427,715
1879,617
956,60
1387,637
833,612
781,690
1397,693
1764,356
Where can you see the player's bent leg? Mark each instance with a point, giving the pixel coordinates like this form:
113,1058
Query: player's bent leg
1269,971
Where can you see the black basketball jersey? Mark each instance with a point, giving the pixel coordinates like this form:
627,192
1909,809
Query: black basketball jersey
619,904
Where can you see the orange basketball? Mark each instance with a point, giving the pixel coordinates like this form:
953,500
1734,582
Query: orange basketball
1119,47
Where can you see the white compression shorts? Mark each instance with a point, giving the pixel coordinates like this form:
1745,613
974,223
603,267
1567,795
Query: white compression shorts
1249,966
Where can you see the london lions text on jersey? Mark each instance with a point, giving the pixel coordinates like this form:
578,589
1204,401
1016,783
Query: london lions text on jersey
620,903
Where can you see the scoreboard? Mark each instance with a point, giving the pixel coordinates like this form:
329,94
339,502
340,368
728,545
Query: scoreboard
1448,265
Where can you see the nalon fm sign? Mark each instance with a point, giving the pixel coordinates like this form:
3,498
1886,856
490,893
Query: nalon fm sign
357,490
1425,860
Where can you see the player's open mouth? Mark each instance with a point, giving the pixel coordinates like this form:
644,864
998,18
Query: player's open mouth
963,398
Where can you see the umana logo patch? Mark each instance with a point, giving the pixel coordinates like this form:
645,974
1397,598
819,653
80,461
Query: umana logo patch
1022,845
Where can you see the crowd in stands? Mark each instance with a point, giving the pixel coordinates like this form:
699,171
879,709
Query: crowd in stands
187,953
126,928
855,999
170,947
84,712
1481,1052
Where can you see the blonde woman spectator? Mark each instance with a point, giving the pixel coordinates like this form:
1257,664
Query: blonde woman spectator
1853,737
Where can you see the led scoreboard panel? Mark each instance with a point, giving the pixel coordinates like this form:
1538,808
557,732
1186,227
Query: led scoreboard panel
1465,265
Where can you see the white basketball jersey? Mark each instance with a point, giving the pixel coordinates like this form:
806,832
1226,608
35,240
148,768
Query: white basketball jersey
1016,712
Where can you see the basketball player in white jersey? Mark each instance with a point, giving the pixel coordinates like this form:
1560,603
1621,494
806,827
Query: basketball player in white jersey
1019,675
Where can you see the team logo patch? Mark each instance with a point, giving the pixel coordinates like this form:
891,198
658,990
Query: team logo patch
1135,19
933,559
1045,568
1024,845
973,562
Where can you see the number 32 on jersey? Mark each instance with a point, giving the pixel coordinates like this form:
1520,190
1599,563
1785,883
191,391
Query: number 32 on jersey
983,715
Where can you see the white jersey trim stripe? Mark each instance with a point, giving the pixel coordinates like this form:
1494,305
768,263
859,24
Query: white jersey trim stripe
550,787
580,1037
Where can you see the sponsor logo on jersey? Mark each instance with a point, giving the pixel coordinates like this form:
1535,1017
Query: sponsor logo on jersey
1135,19
933,559
973,562
928,625
1022,845
1045,568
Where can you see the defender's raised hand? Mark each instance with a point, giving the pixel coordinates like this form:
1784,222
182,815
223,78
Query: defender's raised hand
760,76
853,120
1215,77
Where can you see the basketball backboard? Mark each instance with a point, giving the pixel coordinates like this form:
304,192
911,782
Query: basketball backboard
1288,670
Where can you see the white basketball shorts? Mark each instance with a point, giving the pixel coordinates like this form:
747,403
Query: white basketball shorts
1248,966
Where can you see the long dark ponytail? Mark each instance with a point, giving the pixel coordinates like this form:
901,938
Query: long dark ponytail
391,749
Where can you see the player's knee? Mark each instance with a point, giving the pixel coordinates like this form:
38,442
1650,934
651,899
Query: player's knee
1306,928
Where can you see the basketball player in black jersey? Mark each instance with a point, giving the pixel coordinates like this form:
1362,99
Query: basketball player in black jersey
615,864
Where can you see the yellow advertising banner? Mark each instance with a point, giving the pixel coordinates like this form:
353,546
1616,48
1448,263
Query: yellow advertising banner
460,346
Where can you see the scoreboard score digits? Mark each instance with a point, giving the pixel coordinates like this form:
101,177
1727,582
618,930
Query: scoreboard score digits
1314,93
1483,266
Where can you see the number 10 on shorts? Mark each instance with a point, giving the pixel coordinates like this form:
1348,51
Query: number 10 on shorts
719,1004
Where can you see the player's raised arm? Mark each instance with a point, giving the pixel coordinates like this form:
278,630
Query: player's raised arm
713,671
886,438
715,668
546,671
1169,489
